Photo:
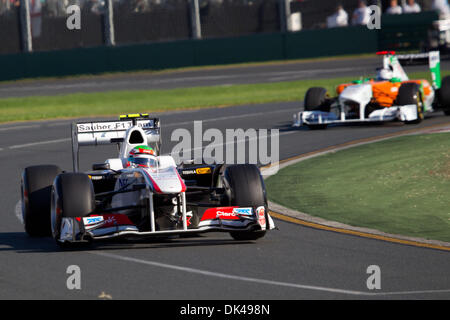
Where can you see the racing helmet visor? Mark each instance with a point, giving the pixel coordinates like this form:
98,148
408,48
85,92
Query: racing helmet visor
146,162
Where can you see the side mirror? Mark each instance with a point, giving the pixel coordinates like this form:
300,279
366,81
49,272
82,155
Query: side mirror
100,166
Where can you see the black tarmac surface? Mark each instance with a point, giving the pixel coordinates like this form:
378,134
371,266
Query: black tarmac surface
293,262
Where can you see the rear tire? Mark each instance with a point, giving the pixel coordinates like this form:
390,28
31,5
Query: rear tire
245,188
409,93
444,95
72,196
36,186
316,99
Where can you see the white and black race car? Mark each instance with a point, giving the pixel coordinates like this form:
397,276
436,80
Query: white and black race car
114,200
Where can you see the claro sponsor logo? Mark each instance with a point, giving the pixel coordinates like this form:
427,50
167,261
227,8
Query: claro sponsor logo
223,214
226,213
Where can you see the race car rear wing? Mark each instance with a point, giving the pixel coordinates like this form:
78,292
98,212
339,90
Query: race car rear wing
431,58
106,132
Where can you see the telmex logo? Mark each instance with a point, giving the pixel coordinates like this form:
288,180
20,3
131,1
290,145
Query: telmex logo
243,211
111,220
88,221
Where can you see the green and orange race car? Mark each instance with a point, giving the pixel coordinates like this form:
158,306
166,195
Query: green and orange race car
390,96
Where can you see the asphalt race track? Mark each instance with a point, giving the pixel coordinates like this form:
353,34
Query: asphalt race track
294,262
289,71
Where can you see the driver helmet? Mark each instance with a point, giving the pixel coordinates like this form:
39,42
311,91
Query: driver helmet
384,74
142,156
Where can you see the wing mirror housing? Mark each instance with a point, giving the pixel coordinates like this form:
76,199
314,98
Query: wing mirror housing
100,166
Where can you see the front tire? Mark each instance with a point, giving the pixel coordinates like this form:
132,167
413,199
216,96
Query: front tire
36,186
409,93
245,188
72,196
316,99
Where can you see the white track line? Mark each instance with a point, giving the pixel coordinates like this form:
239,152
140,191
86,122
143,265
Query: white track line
31,126
31,144
226,276
18,211
260,281
246,139
148,81
411,292
18,146
231,117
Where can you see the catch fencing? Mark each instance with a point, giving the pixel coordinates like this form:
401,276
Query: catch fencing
41,25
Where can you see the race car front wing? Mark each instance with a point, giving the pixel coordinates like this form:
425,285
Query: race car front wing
401,113
224,219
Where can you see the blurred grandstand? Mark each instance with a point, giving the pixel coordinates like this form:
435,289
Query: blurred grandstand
314,12
139,21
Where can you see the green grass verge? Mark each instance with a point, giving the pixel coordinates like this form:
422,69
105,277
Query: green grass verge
117,102
399,186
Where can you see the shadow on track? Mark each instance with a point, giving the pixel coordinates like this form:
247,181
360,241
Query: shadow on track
22,243
287,126
164,243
